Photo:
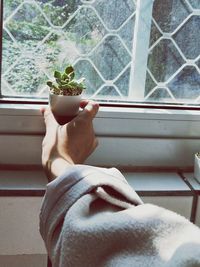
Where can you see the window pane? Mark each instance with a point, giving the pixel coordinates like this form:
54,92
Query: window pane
149,56
43,35
173,73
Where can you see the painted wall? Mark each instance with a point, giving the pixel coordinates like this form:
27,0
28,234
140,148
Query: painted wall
20,243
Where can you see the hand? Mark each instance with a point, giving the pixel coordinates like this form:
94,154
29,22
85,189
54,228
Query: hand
71,143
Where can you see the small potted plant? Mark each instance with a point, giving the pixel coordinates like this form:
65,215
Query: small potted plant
65,93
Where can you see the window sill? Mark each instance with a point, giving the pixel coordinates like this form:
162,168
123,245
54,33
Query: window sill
128,136
22,183
164,122
167,189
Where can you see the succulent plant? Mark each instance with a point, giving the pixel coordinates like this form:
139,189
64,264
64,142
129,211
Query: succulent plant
65,83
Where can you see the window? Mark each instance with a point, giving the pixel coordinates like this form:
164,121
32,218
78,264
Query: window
173,69
128,51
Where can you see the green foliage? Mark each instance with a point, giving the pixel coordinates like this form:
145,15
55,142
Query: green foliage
57,75
25,77
23,30
65,83
59,11
29,27
32,57
9,6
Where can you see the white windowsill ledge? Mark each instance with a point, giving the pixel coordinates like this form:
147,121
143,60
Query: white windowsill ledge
140,181
127,136
165,189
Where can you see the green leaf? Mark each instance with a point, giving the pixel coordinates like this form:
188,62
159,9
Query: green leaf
58,81
57,74
73,84
66,87
72,75
62,82
65,77
69,69
49,83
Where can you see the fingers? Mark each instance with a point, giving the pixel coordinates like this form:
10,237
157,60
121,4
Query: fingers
90,108
84,103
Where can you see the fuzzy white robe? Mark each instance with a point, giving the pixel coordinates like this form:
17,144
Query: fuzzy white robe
91,217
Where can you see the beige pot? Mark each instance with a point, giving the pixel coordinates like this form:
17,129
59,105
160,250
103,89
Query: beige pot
63,105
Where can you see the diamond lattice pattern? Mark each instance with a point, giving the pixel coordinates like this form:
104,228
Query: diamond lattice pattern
96,36
173,71
40,36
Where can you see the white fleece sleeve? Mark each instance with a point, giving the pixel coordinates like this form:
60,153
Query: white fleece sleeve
91,217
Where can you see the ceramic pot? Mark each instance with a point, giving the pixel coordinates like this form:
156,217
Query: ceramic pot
197,166
63,106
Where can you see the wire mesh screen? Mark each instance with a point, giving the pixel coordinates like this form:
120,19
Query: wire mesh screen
40,36
173,71
98,38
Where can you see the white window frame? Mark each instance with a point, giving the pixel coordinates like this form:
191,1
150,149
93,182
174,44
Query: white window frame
140,49
129,137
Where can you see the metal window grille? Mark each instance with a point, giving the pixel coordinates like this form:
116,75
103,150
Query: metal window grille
128,50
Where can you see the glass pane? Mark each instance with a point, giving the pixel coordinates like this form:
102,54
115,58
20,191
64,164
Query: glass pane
173,73
148,56
40,36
